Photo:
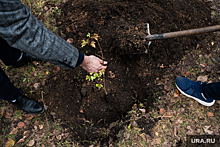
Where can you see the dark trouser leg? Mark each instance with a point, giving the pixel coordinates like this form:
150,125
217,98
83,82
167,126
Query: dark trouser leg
8,54
212,90
7,90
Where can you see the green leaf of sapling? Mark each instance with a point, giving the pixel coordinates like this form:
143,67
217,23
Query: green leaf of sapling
88,35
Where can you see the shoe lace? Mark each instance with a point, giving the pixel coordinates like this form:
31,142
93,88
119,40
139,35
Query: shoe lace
197,86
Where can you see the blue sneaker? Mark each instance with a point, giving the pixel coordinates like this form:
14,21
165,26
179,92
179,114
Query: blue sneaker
193,90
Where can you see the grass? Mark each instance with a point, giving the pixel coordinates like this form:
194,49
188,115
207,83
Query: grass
46,14
132,137
30,76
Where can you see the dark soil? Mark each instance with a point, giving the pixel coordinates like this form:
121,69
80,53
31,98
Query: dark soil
121,25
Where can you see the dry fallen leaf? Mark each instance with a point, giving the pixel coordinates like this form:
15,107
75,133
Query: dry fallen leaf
45,8
68,29
156,133
21,140
110,140
203,65
167,88
53,114
93,44
36,122
59,137
134,124
127,135
81,109
147,115
30,116
182,110
142,110
176,95
169,114
162,111
37,86
177,91
210,114
66,134
57,69
203,78
10,143
28,84
35,73
46,107
189,127
187,73
35,128
63,35
70,40
14,131
26,133
134,107
179,121
206,129
31,143
20,125
162,66
95,36
111,75
41,127
198,46
3,110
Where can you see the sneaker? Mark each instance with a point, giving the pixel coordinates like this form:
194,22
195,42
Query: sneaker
193,90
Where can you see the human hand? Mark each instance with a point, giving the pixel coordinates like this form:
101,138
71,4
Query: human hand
93,64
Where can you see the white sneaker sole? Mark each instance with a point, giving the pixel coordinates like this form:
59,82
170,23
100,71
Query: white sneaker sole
198,100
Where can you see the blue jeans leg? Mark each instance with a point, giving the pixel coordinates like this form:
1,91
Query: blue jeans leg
7,90
212,90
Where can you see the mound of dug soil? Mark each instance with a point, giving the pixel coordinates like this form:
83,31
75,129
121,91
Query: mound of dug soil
121,25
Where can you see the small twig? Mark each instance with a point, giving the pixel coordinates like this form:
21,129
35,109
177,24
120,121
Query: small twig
102,59
99,28
99,121
100,50
63,123
42,96
53,75
165,116
100,25
103,74
99,56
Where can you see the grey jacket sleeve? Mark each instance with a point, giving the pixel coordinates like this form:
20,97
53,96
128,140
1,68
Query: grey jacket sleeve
23,31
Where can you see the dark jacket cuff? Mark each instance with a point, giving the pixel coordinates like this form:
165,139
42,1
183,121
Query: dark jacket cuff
80,59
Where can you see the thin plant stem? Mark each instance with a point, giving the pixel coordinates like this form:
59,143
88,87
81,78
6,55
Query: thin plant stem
104,73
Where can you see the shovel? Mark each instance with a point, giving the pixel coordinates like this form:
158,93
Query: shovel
150,37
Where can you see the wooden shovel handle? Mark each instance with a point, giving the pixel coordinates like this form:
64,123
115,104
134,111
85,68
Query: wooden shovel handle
183,33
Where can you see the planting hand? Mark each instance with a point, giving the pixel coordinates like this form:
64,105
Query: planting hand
93,64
